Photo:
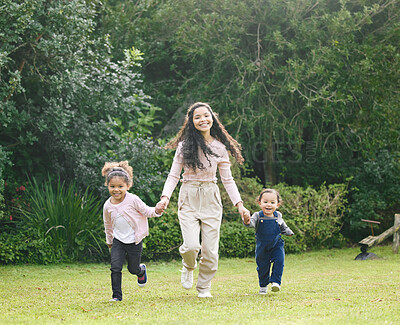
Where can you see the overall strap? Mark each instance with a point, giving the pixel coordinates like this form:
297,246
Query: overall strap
261,215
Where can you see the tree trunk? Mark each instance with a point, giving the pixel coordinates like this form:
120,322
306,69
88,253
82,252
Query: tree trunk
268,160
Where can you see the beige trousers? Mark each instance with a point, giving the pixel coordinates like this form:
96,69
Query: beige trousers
200,213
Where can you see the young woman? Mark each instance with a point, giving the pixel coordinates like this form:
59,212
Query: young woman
202,146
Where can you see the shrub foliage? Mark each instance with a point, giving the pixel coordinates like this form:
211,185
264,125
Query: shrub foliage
69,219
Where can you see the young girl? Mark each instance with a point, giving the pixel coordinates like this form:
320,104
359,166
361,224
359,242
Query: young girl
125,222
202,146
269,226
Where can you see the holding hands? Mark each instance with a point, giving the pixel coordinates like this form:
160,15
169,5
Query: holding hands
162,205
244,213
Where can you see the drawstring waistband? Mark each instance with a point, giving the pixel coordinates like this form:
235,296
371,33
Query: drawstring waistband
201,186
199,183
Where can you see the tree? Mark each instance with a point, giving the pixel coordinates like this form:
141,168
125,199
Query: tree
62,93
290,79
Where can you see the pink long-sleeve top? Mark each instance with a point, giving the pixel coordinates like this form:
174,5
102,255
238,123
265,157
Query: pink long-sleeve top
135,212
204,175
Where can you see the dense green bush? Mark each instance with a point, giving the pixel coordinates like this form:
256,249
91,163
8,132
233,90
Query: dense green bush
314,215
165,234
294,81
236,240
1,198
22,245
66,218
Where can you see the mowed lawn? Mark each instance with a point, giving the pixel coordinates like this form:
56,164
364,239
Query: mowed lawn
323,287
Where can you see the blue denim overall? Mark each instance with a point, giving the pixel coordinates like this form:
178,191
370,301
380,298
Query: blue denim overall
269,249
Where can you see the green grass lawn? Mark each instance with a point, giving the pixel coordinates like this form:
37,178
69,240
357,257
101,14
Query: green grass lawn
324,287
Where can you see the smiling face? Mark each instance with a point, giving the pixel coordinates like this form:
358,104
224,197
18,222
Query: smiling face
269,203
117,187
202,120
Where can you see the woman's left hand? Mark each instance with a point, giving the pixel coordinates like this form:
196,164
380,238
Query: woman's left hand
244,213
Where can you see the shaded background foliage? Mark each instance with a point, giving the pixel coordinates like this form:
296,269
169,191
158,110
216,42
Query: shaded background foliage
309,88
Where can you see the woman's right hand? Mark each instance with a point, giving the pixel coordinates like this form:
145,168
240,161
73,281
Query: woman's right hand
164,201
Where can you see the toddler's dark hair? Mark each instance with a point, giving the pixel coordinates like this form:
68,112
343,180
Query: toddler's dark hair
270,190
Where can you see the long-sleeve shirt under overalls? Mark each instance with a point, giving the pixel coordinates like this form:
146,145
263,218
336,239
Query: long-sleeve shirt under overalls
269,246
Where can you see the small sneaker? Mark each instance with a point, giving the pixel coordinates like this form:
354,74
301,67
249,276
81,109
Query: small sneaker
204,294
263,291
115,299
275,287
186,278
142,280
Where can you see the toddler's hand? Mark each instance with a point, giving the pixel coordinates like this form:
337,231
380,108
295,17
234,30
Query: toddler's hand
246,219
244,213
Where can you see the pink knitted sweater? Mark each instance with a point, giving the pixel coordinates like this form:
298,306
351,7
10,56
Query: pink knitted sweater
207,174
135,212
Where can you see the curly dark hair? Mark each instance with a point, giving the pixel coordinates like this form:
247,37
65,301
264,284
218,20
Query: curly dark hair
192,139
118,169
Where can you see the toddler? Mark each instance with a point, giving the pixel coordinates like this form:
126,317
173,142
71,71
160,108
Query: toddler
269,226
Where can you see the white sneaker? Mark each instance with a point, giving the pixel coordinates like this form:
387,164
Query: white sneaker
204,294
186,278
275,287
263,291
